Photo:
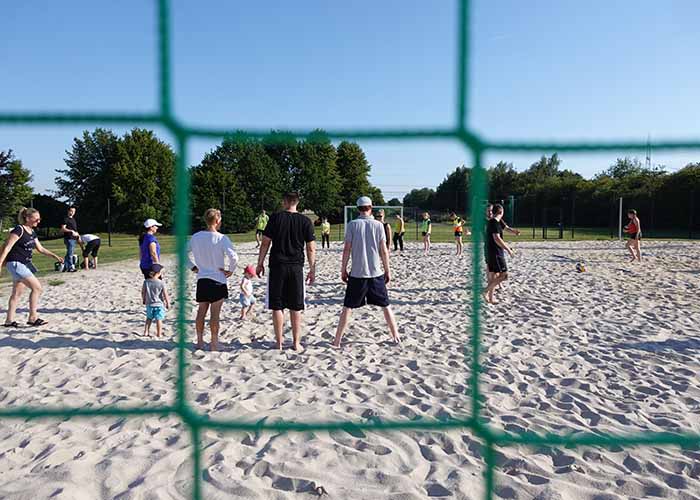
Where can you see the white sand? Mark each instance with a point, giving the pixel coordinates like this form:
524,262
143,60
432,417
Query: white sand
616,349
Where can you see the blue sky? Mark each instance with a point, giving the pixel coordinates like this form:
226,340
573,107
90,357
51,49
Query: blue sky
558,69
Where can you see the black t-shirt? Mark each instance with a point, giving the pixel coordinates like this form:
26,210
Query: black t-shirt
289,233
22,250
70,223
492,249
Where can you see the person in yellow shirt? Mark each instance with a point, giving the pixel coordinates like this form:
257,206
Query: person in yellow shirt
260,225
399,232
458,228
325,233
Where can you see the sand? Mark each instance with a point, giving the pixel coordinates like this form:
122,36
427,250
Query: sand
614,349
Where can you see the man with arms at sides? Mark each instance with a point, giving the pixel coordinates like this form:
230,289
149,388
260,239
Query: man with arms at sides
289,233
70,236
496,249
366,246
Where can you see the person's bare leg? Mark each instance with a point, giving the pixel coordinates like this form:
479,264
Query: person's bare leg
498,279
391,323
638,246
159,328
94,259
630,250
250,310
86,263
17,289
342,323
214,322
296,319
147,328
278,325
199,323
35,292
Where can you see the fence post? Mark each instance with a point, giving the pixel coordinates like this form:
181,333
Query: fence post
544,223
534,216
573,214
690,217
619,226
561,219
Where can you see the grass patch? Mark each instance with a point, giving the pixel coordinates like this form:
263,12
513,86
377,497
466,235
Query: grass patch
56,282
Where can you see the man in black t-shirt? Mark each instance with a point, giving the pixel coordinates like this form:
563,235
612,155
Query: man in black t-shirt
496,249
70,238
289,233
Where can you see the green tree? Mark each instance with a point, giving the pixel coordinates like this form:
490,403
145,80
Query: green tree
142,180
503,181
394,202
317,179
15,191
214,186
354,170
283,148
453,191
421,198
86,182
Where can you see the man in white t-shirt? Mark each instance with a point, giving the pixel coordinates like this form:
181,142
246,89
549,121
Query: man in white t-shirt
365,245
90,245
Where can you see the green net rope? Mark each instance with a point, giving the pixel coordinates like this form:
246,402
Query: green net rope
461,133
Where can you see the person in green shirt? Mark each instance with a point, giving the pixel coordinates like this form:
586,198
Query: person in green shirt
260,225
426,228
325,233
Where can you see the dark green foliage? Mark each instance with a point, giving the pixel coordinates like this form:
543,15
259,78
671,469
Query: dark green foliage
86,182
394,202
142,181
15,191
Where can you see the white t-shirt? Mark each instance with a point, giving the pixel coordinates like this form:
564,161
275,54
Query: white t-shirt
247,286
207,251
87,238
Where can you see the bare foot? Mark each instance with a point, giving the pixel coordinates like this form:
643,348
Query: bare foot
279,347
335,346
200,347
298,348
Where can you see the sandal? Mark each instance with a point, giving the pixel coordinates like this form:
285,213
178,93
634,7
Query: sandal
11,325
37,322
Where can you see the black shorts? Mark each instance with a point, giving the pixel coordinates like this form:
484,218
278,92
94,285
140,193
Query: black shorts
361,291
458,234
211,291
425,234
259,232
496,264
285,287
633,236
91,249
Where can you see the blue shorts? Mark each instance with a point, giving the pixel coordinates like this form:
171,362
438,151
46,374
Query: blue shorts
155,312
246,301
361,291
19,271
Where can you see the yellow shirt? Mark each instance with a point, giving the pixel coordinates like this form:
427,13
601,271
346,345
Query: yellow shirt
325,227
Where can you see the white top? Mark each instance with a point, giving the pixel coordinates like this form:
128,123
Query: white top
247,286
207,251
87,238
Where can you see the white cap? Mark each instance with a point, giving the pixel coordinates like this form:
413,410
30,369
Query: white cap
151,223
364,201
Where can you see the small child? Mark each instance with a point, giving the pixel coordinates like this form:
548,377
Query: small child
155,298
246,298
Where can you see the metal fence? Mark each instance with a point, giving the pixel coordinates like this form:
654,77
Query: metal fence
460,132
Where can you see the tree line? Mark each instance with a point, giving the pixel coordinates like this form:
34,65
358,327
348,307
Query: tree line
134,175
546,184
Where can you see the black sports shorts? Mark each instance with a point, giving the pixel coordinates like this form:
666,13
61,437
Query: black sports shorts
361,291
211,291
91,248
496,264
285,287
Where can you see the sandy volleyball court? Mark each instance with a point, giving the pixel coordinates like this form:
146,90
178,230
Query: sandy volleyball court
615,349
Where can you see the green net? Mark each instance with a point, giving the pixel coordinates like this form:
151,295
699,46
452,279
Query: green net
461,133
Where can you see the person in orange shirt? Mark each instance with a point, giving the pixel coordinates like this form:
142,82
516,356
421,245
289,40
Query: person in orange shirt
634,234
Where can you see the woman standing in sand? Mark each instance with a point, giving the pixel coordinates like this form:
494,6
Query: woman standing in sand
381,217
634,233
426,229
209,248
399,232
149,246
16,254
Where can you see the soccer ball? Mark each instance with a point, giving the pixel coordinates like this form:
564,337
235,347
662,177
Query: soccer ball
580,267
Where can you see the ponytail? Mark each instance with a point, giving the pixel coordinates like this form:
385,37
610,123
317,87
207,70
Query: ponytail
25,213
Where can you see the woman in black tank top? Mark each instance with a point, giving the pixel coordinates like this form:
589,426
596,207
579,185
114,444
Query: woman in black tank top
16,256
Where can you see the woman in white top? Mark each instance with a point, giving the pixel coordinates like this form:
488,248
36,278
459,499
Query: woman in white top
208,249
